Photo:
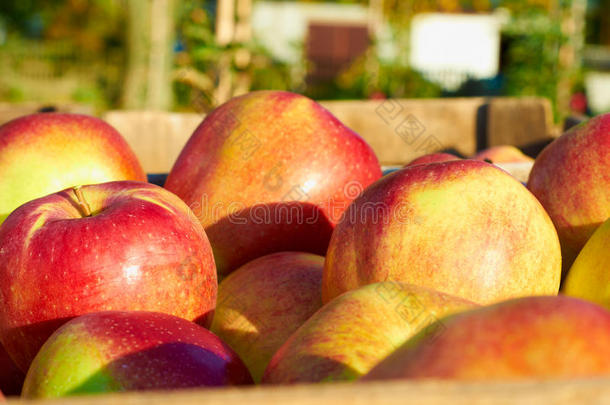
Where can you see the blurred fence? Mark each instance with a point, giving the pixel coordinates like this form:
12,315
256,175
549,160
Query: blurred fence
57,72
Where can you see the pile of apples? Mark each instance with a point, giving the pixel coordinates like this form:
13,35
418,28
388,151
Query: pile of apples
277,253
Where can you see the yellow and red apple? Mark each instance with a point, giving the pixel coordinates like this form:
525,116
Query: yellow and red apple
464,227
531,337
131,351
503,154
114,246
264,301
270,171
44,153
350,334
433,158
571,178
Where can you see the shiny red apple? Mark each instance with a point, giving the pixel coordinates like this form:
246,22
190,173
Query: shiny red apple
111,246
128,351
270,171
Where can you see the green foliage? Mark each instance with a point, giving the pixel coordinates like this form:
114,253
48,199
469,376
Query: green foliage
532,65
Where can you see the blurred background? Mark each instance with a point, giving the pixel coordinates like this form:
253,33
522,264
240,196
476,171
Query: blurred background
191,55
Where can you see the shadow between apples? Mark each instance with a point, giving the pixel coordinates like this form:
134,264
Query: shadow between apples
168,366
11,377
37,332
267,228
327,370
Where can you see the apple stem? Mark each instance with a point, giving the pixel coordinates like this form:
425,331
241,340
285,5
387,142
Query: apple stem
81,201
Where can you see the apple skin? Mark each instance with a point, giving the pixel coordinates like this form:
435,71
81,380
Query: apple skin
142,249
45,153
129,351
503,154
531,337
589,278
283,291
465,228
261,155
432,158
571,178
353,332
11,377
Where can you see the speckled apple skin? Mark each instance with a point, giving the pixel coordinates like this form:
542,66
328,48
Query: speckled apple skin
352,333
432,158
45,153
142,249
503,154
465,227
264,301
589,276
127,351
571,178
531,337
262,154
11,377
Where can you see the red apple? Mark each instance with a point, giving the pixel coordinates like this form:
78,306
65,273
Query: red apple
11,377
348,336
532,337
270,171
503,154
45,153
128,351
432,158
112,246
571,178
264,301
465,228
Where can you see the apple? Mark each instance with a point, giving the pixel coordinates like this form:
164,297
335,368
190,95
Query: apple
270,171
531,337
588,278
465,228
432,158
44,153
571,178
350,334
503,154
113,246
128,351
264,301
11,377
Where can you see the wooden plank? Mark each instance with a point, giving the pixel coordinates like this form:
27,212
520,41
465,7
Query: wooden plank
156,137
519,121
528,392
10,111
400,130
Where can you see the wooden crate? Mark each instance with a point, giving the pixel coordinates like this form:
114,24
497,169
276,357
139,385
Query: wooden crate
398,130
428,392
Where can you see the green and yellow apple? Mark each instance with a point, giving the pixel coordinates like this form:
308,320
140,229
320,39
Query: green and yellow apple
464,227
571,178
44,153
530,337
264,301
589,276
270,171
121,245
131,351
350,334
